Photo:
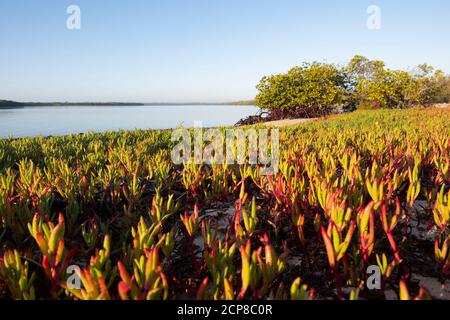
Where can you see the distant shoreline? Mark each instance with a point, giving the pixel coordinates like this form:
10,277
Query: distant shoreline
13,104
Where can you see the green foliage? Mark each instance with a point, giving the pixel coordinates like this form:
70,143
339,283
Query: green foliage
317,88
312,87
17,277
376,86
444,92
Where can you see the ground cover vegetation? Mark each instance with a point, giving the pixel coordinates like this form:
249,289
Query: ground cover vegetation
370,188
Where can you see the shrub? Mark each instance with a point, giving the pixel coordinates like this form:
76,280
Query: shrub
376,86
311,89
316,89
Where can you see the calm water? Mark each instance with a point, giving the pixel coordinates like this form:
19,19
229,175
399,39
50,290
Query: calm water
34,121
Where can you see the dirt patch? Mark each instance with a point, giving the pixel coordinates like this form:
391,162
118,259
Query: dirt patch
288,122
442,106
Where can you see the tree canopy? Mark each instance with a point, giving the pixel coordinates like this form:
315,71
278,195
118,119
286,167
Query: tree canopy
377,86
314,89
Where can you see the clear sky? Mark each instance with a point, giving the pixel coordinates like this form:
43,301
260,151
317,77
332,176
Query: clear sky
200,50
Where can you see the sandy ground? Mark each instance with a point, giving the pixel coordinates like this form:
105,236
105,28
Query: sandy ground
287,122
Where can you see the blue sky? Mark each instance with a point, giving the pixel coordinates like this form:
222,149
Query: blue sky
200,50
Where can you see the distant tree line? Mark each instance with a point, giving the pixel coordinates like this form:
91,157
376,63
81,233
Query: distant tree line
316,89
9,103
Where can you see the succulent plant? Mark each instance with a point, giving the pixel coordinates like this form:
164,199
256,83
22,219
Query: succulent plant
346,197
